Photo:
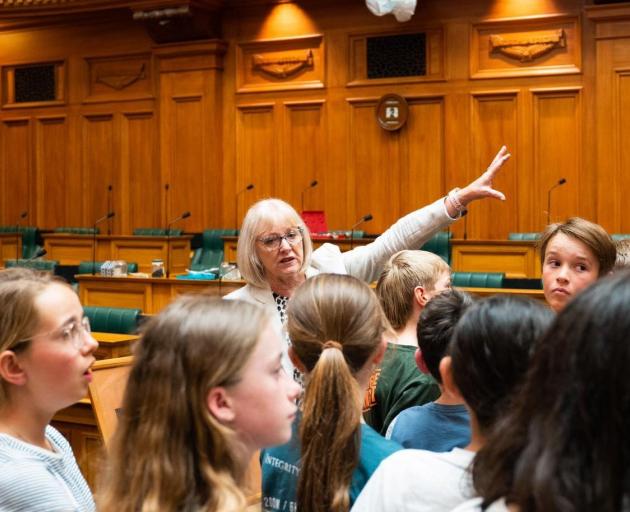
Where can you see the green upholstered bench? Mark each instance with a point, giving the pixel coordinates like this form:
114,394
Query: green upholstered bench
210,254
44,265
520,237
478,279
156,232
29,238
77,230
85,267
440,244
116,320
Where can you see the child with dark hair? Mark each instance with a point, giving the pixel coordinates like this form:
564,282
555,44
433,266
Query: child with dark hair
488,357
565,444
444,424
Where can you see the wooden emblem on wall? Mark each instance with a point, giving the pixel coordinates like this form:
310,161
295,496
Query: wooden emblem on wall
526,47
280,64
118,77
392,112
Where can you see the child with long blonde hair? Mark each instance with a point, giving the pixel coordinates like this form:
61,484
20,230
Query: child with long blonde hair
206,391
337,328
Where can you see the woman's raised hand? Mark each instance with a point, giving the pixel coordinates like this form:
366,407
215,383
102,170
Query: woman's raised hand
482,186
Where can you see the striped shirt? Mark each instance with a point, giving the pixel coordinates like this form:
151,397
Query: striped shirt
33,479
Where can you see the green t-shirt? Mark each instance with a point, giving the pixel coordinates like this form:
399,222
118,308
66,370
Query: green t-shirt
395,385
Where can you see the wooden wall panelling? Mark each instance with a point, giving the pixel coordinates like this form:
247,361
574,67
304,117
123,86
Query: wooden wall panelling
495,123
422,178
51,170
374,167
100,168
302,148
557,125
614,189
256,154
17,181
141,188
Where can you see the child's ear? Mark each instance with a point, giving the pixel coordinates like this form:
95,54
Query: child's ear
10,369
421,363
296,360
379,353
220,405
446,372
420,296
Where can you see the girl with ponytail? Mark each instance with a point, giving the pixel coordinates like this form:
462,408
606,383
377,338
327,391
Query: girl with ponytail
337,327
206,391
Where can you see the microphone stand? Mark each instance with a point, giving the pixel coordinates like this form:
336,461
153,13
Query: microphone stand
365,218
313,184
23,215
184,215
108,215
562,181
248,187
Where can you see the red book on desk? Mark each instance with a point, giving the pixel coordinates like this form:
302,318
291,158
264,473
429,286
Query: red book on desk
315,221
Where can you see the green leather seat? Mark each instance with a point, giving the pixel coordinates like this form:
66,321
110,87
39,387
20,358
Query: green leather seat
45,265
523,236
156,232
116,320
440,244
210,254
85,267
620,236
29,239
77,230
478,279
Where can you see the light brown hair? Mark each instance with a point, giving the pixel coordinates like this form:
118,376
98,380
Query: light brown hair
335,324
401,274
590,234
169,453
19,317
623,254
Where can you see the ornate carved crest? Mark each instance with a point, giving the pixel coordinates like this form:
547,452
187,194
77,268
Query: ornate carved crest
120,79
283,67
527,47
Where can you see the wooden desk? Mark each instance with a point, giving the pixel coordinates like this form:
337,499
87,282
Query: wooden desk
111,345
486,292
517,259
230,242
71,249
148,294
7,246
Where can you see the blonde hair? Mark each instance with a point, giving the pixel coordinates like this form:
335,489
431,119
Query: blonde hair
401,274
623,254
335,324
169,453
19,317
590,234
259,216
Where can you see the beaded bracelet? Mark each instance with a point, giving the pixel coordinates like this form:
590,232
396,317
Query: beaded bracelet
452,196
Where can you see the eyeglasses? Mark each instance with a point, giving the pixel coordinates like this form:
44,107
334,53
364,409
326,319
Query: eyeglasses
273,242
73,333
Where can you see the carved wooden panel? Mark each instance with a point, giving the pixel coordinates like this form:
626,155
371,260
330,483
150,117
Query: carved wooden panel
10,97
141,185
303,147
281,64
257,155
99,146
118,78
557,124
495,123
15,169
357,63
521,47
51,170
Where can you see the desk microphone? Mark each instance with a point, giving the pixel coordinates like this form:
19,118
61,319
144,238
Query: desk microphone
365,218
184,215
108,215
313,184
23,215
561,181
236,198
110,206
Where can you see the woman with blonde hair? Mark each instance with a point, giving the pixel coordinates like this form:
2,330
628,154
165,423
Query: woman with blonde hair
337,328
206,391
46,352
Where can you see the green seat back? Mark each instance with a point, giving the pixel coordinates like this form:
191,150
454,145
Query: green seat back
210,254
440,244
77,230
116,320
85,267
156,232
45,265
620,236
478,279
29,244
523,236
